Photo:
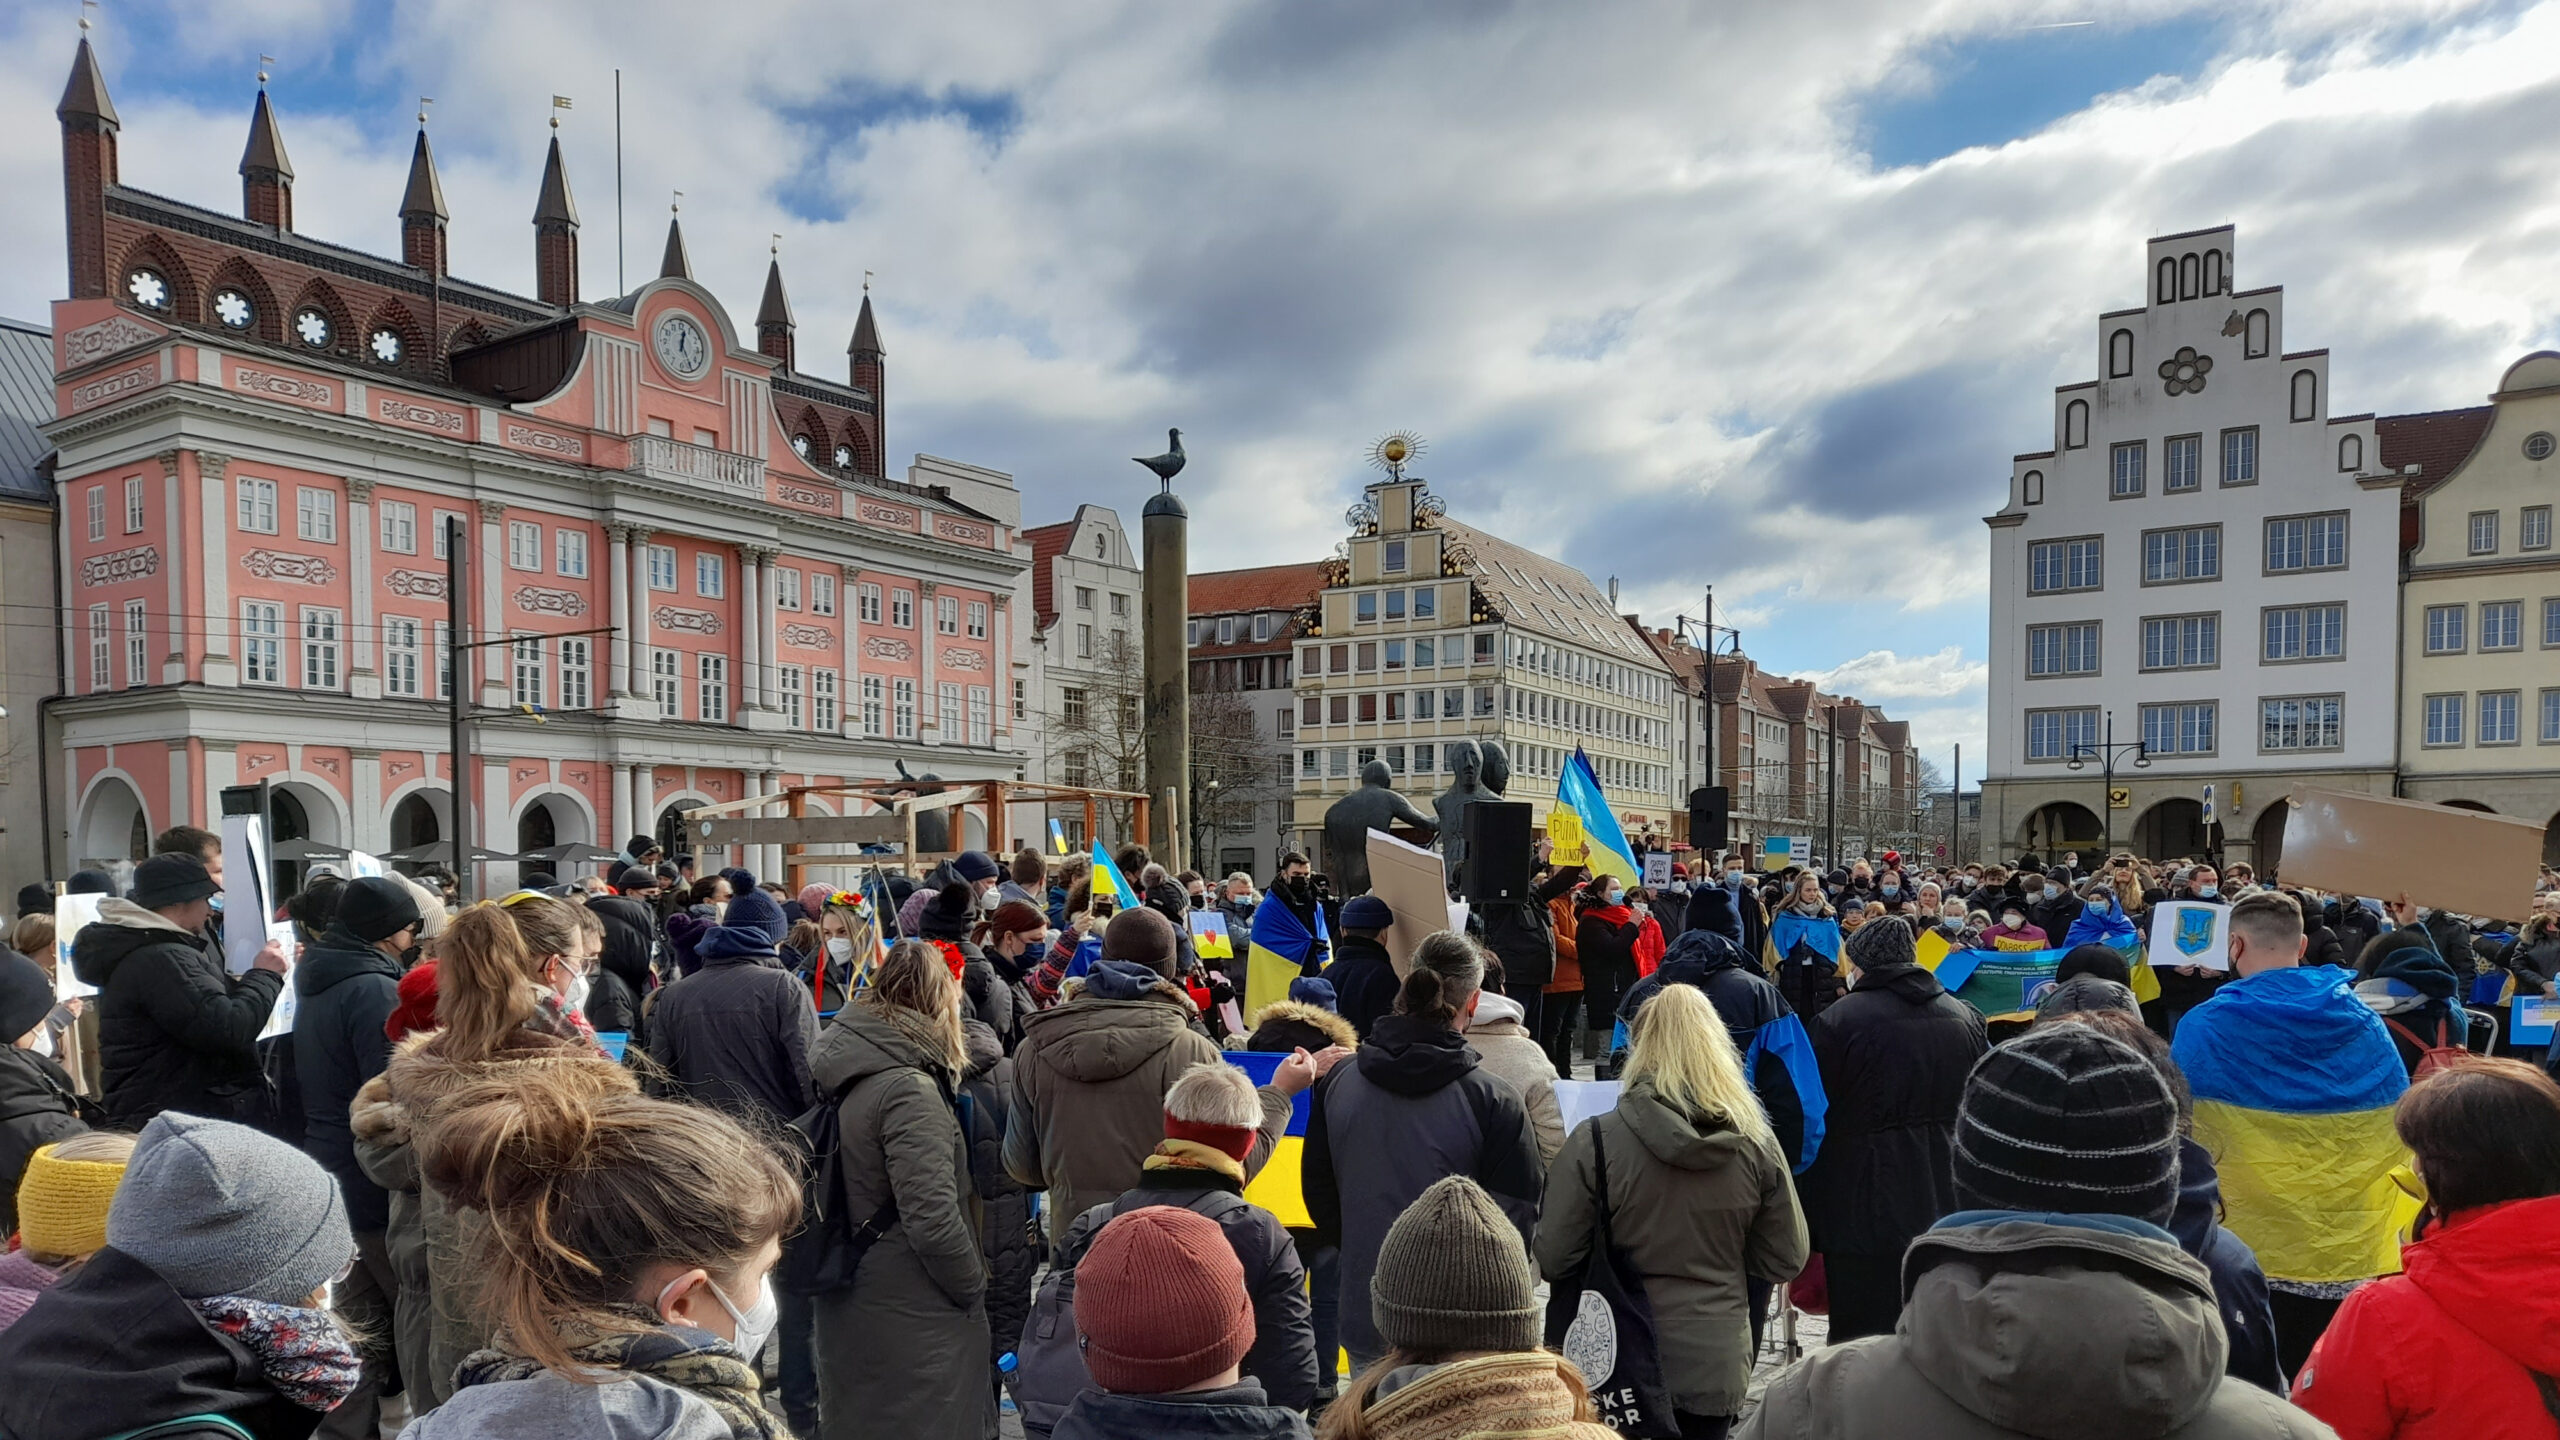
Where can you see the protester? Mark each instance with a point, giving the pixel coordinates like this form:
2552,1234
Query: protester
1009,1242
1414,1106
623,1259
736,1034
347,985
2464,1341
1561,1018
69,1033
501,1015
1893,1055
903,1350
2239,1286
1013,938
626,965
1363,975
1605,932
61,1215
2184,987
1756,1020
205,1300
1808,976
2294,1079
1165,1322
1699,1196
1521,935
38,1101
176,1030
2416,991
2054,1303
1499,1032
1090,1076
1455,1312
2016,931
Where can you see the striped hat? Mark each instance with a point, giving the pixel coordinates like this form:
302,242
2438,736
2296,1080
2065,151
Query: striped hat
2065,1119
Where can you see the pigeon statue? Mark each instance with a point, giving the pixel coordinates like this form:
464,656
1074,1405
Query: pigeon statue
1168,464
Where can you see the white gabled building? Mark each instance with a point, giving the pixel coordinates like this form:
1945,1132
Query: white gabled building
2205,562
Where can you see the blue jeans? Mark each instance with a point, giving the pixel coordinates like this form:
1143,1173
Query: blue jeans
1324,1304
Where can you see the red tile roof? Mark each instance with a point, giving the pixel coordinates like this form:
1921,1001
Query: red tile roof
1048,542
1264,587
2437,442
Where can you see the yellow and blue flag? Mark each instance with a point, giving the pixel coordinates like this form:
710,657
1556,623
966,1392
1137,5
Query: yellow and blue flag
2111,927
1276,953
1277,1187
1106,872
1057,837
2294,1082
1578,794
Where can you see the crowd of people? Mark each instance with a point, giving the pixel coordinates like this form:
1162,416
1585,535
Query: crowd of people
659,1153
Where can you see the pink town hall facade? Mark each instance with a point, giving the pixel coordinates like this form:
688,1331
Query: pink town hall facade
261,442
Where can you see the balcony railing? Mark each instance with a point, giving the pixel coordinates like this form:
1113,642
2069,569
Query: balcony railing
660,458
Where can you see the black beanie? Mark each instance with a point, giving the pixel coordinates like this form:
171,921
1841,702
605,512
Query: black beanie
2065,1119
374,908
166,880
35,898
948,914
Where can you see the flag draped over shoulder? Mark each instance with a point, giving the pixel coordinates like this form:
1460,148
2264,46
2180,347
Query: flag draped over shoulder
1784,1041
2294,1082
1276,1188
1578,791
2114,929
1787,930
1275,953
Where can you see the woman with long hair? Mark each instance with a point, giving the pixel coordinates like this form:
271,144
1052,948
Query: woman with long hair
501,1014
622,1254
1699,1198
903,1350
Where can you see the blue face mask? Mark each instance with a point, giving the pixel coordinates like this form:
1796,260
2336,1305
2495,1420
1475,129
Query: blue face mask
1617,897
1892,889
2207,892
216,902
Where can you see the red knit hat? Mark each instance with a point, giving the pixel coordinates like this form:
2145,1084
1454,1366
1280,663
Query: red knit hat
417,1008
1160,1302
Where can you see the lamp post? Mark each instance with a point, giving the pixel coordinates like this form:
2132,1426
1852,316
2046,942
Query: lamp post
2106,753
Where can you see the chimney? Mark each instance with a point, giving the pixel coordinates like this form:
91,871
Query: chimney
266,176
422,212
1613,592
88,167
774,325
555,235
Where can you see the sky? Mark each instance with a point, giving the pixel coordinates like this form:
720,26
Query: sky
1757,297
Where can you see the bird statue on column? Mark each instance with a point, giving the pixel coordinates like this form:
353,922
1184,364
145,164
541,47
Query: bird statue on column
1168,464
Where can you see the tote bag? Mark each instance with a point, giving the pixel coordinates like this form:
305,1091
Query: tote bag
1604,1324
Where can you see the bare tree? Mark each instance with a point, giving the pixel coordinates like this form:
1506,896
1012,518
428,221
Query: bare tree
1234,774
1097,735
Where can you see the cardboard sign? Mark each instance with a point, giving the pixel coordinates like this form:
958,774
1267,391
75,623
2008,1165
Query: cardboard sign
244,891
1657,867
1209,938
2466,861
280,1019
1568,845
2188,932
70,914
2532,1019
1415,884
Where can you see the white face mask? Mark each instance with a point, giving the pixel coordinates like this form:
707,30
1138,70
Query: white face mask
754,1327
2013,920
576,999
840,948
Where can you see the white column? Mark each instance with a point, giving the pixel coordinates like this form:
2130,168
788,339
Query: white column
751,623
618,586
644,800
174,560
768,633
769,855
369,819
849,608
929,689
219,667
364,679
491,622
641,681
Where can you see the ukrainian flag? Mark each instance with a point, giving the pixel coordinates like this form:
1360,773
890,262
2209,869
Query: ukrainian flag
1578,790
2114,929
1276,952
2294,1083
1057,837
1276,1189
1104,871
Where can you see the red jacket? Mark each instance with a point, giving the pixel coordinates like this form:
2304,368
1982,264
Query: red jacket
2447,1350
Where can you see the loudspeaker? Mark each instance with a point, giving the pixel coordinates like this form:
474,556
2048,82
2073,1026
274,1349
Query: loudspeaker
1709,807
1498,852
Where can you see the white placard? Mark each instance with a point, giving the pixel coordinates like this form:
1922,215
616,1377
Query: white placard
280,1019
1582,1099
244,891
1657,867
71,913
2190,932
361,866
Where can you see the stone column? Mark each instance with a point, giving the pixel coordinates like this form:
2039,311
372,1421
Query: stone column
929,687
768,629
364,677
1166,527
1000,649
492,619
618,612
370,836
849,607
219,666
769,855
622,822
752,620
174,559
641,604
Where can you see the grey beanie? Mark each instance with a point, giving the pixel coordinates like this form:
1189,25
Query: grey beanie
1453,1275
220,1209
1882,941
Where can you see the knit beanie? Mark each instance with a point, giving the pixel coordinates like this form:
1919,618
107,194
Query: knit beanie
26,995
165,880
221,1209
976,866
947,915
2068,1120
374,909
1160,1302
417,1008
1881,942
1713,911
62,1204
1454,1275
1143,937
1367,912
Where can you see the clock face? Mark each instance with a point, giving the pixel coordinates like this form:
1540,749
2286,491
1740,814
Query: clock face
682,347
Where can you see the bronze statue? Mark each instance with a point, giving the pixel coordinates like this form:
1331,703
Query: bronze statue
1466,763
1497,767
1373,806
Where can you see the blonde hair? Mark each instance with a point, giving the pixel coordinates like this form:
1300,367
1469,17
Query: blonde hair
1214,1092
915,991
31,933
487,983
550,926
1681,1047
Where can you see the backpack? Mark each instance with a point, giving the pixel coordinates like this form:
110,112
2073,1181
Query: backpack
2431,1058
824,1253
1049,1359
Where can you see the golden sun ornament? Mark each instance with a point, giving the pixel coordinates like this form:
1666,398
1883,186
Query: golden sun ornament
1392,451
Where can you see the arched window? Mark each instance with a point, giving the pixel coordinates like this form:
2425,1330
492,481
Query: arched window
2306,395
2214,280
2031,488
2257,327
2188,273
2350,453
2168,279
2119,354
2075,425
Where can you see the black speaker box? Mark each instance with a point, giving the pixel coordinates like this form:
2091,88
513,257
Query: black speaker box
1498,852
1709,807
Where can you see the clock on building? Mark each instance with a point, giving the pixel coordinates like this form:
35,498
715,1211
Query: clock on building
682,347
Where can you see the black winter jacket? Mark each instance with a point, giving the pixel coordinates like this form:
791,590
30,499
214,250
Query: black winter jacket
1413,1107
346,989
1364,981
1894,1054
626,969
175,1030
114,1348
1237,1412
37,1107
735,1034
1006,1236
1523,935
1744,1001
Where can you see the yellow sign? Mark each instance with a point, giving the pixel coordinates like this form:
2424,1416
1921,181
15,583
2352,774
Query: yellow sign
2119,798
1564,829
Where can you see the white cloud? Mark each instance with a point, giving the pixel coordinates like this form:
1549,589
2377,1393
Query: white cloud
1883,675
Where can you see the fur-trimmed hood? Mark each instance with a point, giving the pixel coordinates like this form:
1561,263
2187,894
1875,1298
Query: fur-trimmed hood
1293,1014
394,1104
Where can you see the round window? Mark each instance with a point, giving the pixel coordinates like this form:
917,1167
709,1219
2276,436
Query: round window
844,457
385,345
2538,445
147,289
800,446
312,329
233,309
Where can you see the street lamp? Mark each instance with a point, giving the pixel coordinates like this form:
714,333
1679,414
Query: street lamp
2106,754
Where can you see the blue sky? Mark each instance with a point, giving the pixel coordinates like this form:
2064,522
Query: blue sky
1762,297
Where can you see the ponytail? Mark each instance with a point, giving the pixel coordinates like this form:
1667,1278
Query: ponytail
485,983
1447,971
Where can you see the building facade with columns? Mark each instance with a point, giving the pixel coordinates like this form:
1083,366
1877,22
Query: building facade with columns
705,585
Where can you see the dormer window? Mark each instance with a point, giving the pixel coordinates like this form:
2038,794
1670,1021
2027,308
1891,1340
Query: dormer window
147,289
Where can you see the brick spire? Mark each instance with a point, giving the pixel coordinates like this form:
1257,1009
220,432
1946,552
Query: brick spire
774,325
266,176
422,212
88,167
555,234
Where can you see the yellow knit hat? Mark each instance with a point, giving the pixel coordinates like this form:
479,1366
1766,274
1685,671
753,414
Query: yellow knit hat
62,1204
